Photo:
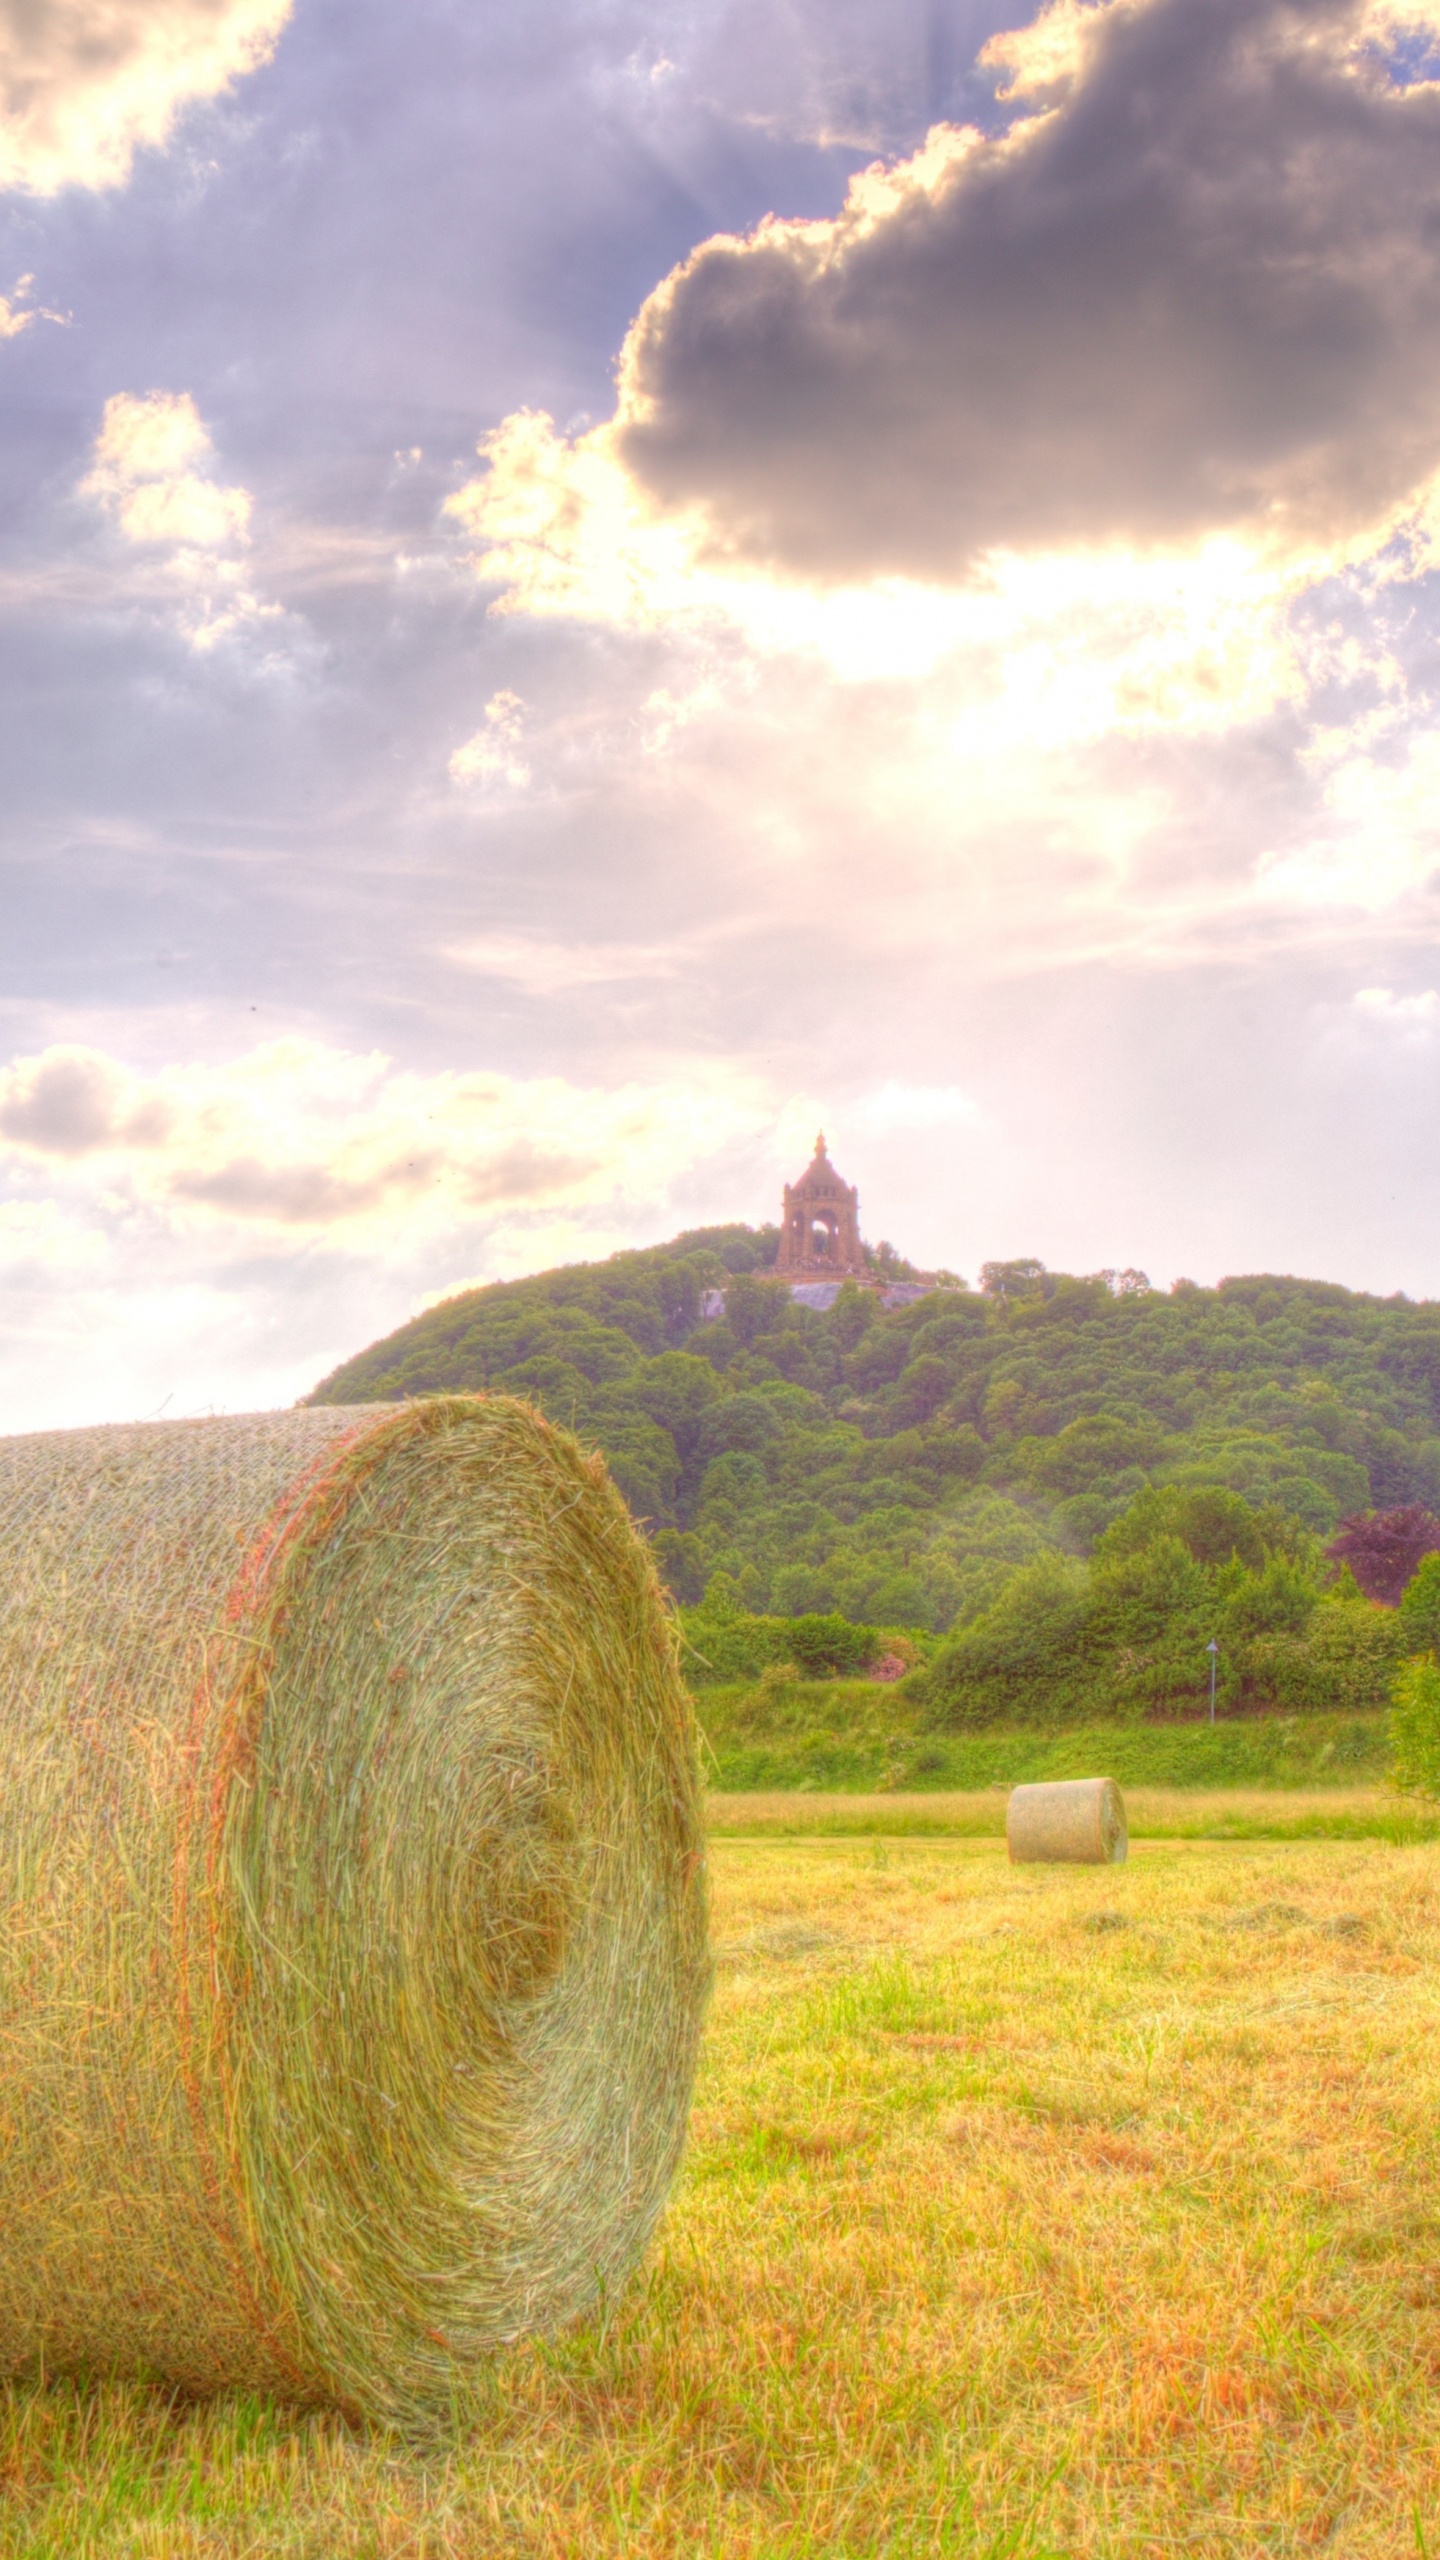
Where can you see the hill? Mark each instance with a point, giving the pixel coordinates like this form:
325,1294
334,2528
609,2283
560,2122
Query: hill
898,1465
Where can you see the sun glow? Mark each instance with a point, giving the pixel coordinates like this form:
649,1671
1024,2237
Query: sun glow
1047,648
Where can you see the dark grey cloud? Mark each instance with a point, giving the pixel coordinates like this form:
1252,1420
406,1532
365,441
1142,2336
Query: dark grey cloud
313,1194
526,1173
1199,291
75,1104
302,1195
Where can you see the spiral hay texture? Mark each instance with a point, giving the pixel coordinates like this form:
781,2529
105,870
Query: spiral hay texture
353,1945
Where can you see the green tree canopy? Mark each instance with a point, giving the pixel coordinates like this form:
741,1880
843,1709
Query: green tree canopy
898,1464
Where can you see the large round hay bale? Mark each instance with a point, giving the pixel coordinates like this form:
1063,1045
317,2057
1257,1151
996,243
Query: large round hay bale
1068,1820
352,1937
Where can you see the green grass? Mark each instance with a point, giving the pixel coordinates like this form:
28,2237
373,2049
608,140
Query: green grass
1154,1813
1041,2214
836,1734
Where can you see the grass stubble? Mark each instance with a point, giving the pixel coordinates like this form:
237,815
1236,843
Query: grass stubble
1026,2212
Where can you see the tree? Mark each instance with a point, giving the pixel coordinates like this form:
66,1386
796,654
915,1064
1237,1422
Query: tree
1383,1548
678,1286
753,1307
1009,1282
1212,1522
839,1442
1420,1607
680,1559
887,1263
852,1315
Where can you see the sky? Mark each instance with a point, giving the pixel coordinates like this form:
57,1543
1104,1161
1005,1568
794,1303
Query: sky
586,590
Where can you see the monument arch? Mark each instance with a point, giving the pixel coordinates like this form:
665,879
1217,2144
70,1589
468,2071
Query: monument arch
820,1226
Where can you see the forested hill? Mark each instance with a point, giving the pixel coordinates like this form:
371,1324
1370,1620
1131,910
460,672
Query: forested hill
895,1465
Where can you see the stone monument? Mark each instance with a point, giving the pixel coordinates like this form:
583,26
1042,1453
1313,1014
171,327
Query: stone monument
820,1226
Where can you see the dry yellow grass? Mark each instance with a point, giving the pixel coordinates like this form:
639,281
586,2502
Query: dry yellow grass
1028,2211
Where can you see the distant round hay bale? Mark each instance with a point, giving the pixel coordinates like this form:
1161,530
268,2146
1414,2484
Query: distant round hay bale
354,1947
1081,1820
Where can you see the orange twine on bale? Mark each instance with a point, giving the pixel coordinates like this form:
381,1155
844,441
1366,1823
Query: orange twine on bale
354,1953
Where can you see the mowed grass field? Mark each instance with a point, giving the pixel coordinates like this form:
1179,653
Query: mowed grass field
1155,1813
1027,2211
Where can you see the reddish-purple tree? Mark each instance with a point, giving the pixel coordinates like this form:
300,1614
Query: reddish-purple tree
1382,1548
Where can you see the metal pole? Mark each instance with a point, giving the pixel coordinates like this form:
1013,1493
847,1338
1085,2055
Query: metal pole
1213,1650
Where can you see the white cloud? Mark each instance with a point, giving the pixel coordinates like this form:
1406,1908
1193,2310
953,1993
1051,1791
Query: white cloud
301,1140
1415,1018
1123,757
666,713
895,1106
1378,840
224,1233
84,84
18,312
493,754
153,474
1054,648
41,1247
542,968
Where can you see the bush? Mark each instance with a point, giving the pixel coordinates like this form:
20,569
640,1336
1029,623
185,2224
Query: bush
724,1642
1017,1660
1420,1608
1415,1727
732,1647
1127,1639
1344,1662
830,1647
